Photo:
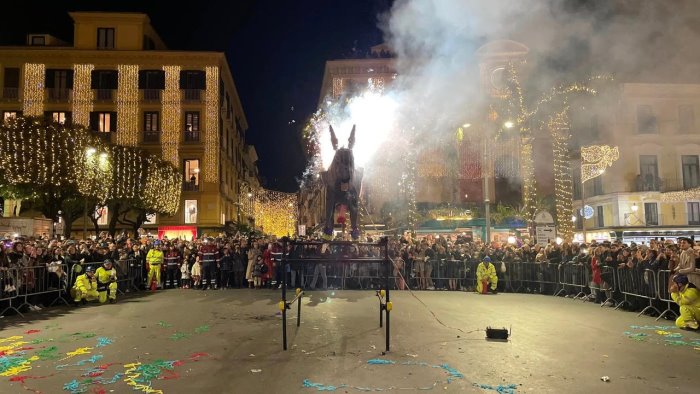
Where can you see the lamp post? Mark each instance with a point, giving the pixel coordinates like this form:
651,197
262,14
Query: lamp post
594,160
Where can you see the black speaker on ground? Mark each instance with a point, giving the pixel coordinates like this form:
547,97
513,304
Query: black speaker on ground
498,334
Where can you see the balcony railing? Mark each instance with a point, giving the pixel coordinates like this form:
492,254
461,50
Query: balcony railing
59,95
664,185
106,136
151,136
648,184
190,186
151,95
104,94
191,136
192,95
10,94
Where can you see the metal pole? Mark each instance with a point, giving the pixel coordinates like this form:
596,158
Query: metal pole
583,210
388,312
298,306
284,295
85,220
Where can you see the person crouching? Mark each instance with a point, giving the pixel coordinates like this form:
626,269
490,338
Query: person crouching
485,275
85,287
687,296
107,282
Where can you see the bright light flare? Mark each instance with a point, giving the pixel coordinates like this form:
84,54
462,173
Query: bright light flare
511,240
508,124
374,118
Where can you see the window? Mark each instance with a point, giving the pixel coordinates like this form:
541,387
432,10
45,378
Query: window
600,217
151,218
11,78
694,213
686,119
646,121
104,79
597,186
192,121
105,38
60,117
38,40
193,79
9,115
102,215
651,213
151,121
192,169
152,79
103,122
649,173
190,211
691,171
58,83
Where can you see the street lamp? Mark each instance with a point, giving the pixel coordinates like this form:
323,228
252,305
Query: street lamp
594,160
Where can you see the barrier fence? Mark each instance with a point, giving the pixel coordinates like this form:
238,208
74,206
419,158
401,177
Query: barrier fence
21,287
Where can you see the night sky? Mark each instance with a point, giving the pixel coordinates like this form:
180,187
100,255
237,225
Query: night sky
276,50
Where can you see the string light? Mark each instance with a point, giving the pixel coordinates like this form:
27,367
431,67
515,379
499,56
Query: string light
681,195
276,212
595,159
44,157
337,87
128,105
33,95
171,115
211,135
563,183
82,93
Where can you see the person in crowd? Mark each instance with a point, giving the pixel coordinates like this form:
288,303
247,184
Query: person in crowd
686,264
85,287
253,253
485,276
154,258
226,266
687,296
107,282
258,271
196,273
172,266
184,275
239,265
208,256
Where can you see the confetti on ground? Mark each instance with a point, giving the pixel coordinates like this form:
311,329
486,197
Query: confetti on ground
164,324
104,341
50,353
451,372
201,329
179,335
501,388
32,331
77,352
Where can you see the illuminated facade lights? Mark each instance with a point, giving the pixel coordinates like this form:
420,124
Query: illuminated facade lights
128,105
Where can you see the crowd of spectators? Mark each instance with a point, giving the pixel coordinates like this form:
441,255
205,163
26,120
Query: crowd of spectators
432,262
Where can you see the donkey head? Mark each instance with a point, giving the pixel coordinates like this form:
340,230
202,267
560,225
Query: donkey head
334,139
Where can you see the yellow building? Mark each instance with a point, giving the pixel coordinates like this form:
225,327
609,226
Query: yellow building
641,196
119,79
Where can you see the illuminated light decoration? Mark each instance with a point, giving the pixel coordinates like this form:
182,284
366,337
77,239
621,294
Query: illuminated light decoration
33,94
409,188
172,109
376,84
431,163
563,184
276,212
595,159
246,199
681,195
39,156
128,105
211,131
82,93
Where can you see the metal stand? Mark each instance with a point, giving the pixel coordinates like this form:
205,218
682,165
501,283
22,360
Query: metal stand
385,304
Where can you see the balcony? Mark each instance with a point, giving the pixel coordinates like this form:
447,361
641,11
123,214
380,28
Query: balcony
190,187
151,95
10,94
192,136
105,136
151,136
59,95
648,183
104,95
192,95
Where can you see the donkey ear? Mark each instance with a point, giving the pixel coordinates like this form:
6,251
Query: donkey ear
334,140
351,140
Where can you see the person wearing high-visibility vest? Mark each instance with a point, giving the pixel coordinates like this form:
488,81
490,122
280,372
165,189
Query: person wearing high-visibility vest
687,296
154,258
485,275
85,287
107,282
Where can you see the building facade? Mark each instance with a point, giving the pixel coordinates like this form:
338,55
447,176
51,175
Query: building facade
649,192
119,80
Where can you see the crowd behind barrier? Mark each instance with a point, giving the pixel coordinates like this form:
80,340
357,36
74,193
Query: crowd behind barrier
36,273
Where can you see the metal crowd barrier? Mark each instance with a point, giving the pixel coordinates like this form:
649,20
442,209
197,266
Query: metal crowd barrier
529,277
35,281
662,279
609,290
573,275
640,284
8,289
